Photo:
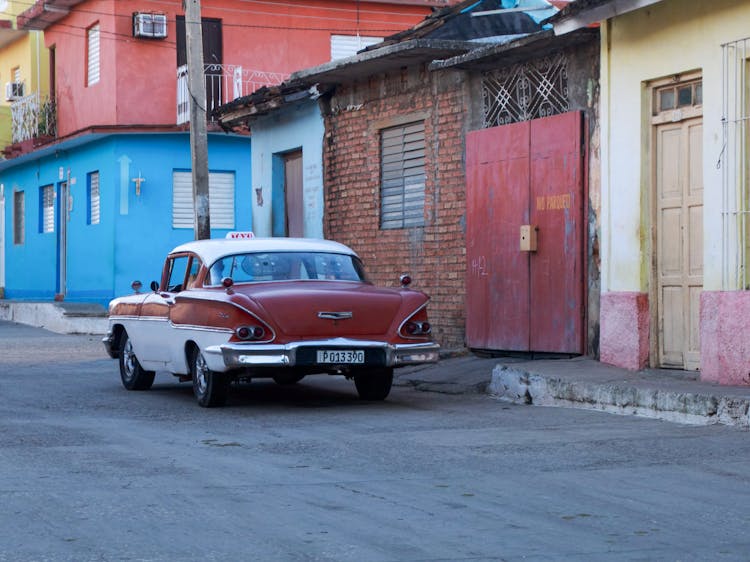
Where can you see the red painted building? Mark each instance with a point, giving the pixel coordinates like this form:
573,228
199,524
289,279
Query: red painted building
116,63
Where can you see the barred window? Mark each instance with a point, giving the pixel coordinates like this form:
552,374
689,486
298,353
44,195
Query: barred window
19,222
402,176
47,208
526,91
92,199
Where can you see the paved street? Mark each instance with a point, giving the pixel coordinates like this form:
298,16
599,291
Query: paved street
89,471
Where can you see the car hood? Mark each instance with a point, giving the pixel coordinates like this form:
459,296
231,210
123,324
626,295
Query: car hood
327,308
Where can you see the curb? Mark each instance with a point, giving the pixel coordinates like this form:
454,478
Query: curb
524,387
62,318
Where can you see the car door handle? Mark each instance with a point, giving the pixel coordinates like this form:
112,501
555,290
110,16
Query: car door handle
167,298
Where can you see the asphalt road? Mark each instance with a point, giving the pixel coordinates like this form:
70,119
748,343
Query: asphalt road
90,471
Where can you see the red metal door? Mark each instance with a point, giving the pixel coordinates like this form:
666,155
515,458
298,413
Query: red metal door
525,174
497,201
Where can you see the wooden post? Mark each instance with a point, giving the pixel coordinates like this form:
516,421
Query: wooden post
198,135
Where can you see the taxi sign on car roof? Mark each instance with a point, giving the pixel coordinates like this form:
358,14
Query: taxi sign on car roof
240,235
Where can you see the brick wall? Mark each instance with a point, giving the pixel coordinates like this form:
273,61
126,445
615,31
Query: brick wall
434,255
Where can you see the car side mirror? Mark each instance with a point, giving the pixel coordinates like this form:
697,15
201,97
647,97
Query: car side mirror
154,286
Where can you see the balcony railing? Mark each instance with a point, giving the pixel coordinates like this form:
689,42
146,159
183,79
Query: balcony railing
224,83
33,117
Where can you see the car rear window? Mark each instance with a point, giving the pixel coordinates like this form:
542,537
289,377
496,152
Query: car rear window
286,266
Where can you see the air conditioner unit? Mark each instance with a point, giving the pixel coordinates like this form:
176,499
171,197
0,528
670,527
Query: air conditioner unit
13,90
151,26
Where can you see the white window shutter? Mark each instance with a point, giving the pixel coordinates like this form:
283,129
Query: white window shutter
343,46
93,55
220,195
48,208
94,198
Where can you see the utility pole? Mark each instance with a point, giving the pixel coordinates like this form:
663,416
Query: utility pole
198,135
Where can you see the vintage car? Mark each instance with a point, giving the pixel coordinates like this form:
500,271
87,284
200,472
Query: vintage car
280,308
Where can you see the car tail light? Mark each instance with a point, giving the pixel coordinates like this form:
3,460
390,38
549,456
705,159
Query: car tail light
250,333
417,328
416,325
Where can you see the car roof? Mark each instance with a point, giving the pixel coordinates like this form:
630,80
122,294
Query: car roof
211,250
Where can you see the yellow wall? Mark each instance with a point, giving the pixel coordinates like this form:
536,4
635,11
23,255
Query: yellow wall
671,37
30,55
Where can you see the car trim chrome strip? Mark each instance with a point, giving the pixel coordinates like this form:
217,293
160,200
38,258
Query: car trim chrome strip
335,315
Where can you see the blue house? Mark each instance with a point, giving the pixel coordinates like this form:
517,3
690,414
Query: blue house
86,217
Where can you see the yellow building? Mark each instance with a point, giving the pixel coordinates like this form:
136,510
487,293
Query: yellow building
24,74
675,168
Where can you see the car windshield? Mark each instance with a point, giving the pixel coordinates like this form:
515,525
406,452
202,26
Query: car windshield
286,266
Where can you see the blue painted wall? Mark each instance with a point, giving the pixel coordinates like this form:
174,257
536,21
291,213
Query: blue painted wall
300,126
134,233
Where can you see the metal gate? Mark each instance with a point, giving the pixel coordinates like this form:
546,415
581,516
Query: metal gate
524,241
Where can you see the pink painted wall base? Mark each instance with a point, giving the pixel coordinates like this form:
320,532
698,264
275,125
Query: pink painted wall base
725,339
624,335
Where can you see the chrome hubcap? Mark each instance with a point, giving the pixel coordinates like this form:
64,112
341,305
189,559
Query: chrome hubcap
201,373
129,360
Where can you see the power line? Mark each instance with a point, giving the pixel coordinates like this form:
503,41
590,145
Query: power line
353,11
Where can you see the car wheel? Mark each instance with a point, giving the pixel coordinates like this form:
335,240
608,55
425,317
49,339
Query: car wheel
133,376
374,384
210,388
288,378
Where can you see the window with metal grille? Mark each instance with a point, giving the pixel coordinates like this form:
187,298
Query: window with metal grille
92,55
19,221
47,208
220,196
526,91
92,199
402,176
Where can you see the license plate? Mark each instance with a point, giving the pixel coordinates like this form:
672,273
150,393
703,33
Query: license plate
339,357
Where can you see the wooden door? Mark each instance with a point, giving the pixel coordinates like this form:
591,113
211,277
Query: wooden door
679,242
293,194
212,57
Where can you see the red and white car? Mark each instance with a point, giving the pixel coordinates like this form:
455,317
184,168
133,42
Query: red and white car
281,308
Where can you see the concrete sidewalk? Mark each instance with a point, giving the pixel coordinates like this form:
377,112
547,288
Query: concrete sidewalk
676,396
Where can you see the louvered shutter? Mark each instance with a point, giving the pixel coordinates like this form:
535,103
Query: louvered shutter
402,182
48,208
94,198
220,195
93,55
343,46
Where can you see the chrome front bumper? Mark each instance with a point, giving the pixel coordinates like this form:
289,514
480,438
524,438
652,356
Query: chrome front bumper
109,345
243,355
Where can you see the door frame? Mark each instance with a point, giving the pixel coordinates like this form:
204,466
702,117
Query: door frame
651,198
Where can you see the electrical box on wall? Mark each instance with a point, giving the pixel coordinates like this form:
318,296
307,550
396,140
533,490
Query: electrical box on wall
528,238
149,25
